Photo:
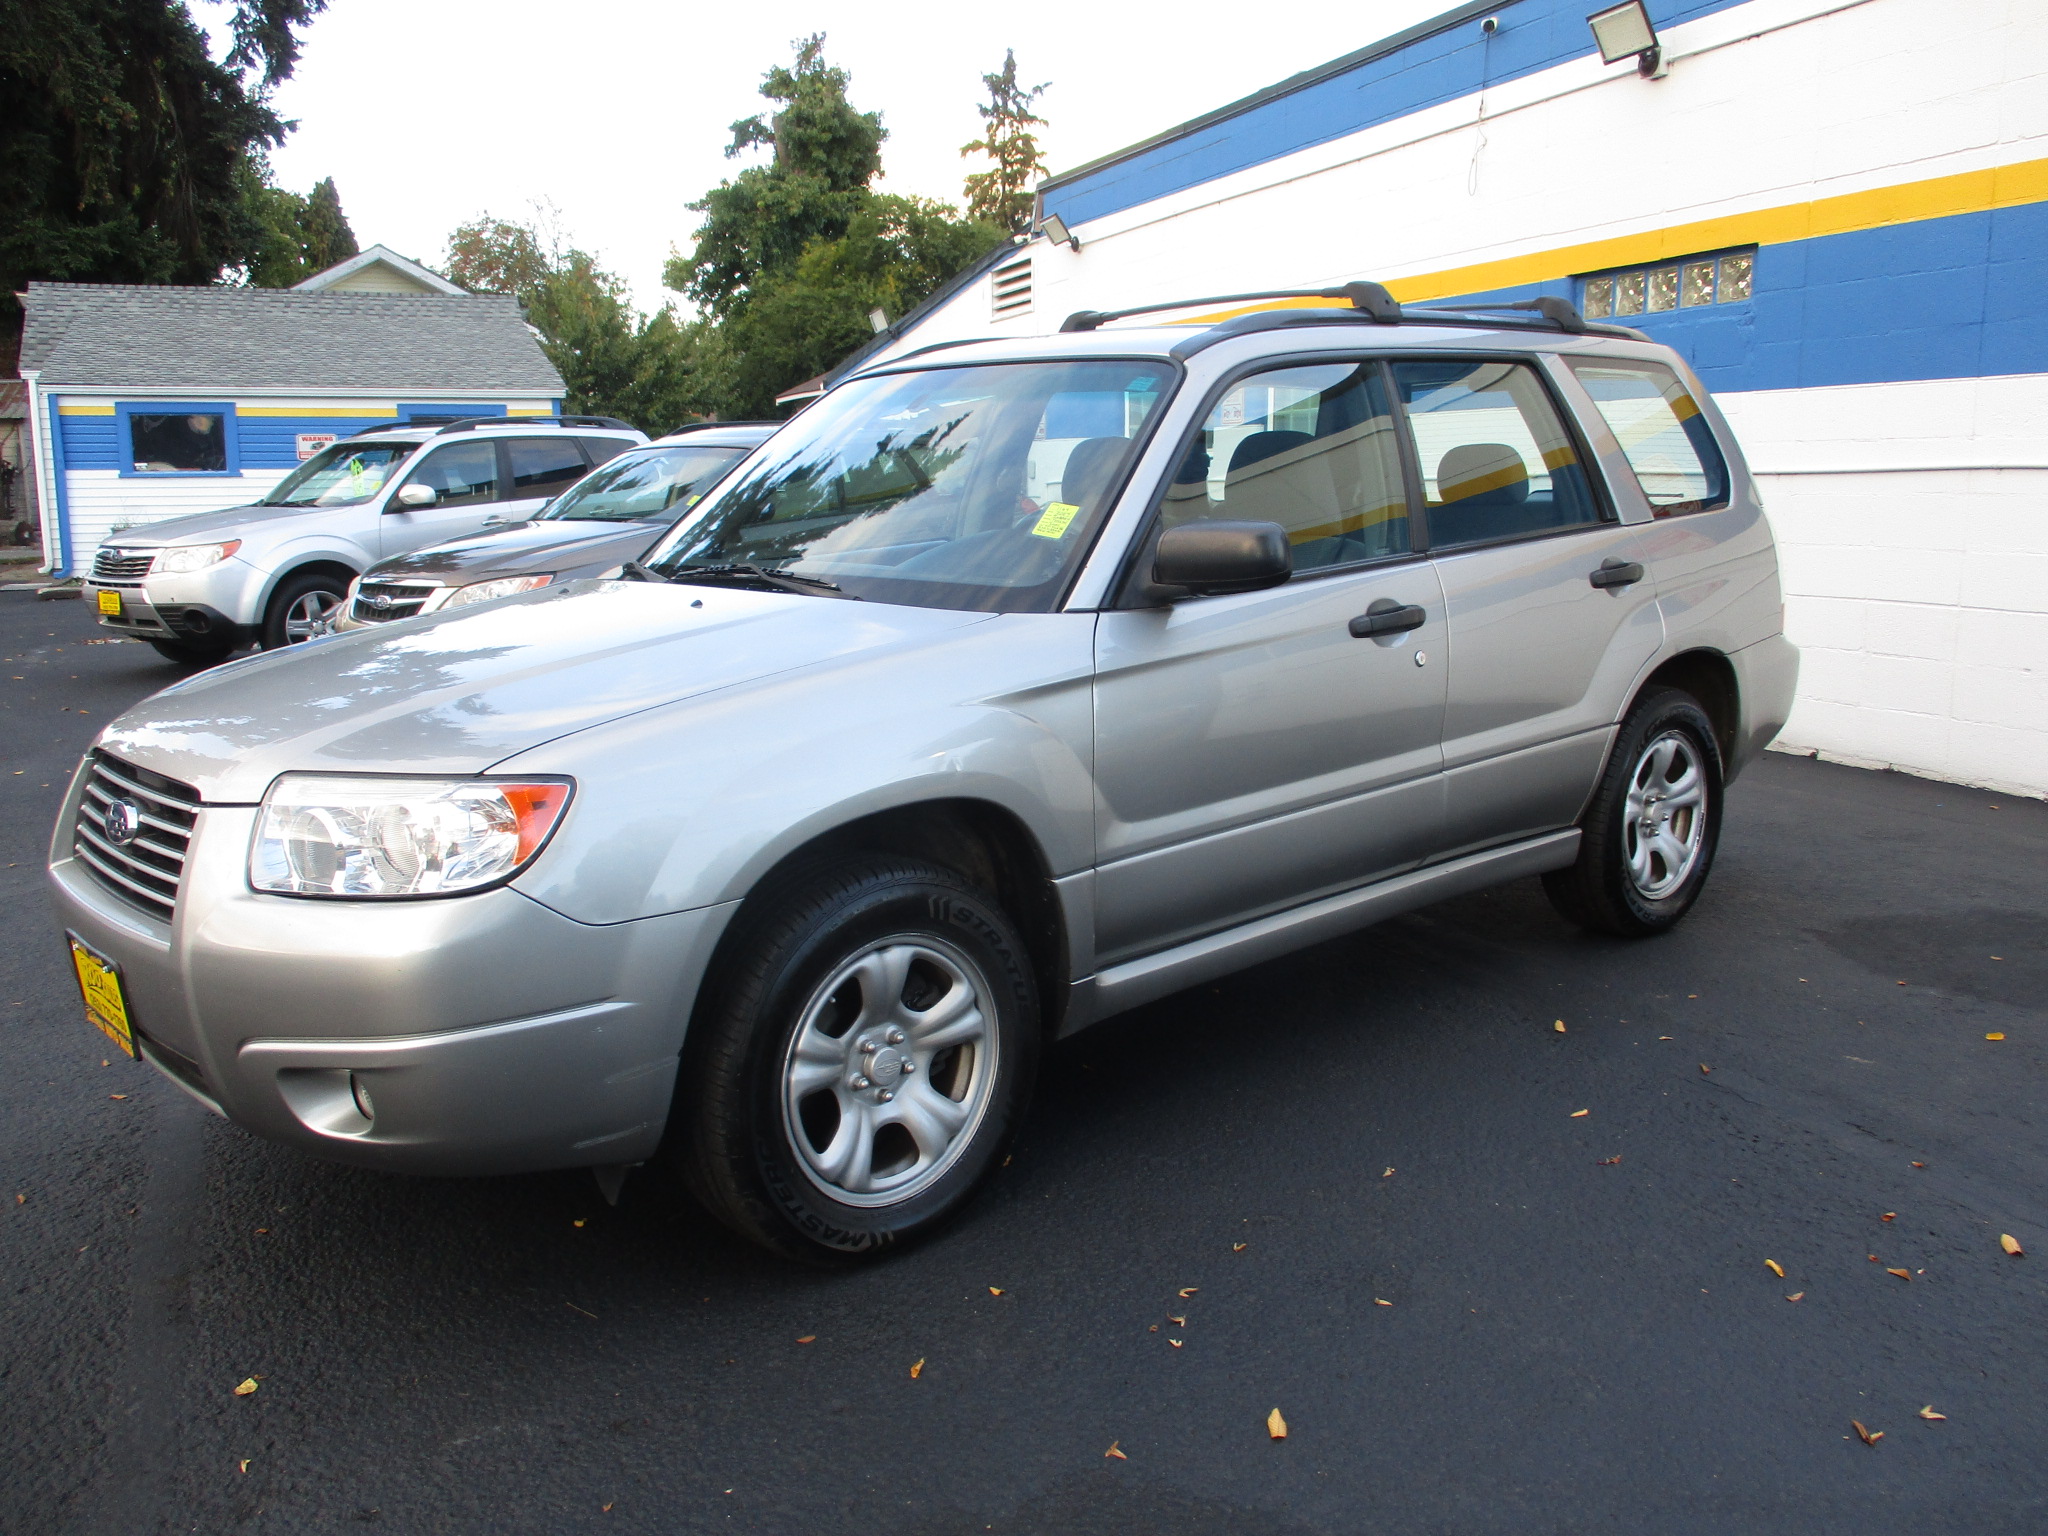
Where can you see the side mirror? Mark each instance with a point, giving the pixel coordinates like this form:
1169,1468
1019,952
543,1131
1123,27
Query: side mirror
410,496
1211,558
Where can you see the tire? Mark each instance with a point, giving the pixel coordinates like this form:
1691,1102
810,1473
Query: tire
793,1135
299,603
1650,831
192,653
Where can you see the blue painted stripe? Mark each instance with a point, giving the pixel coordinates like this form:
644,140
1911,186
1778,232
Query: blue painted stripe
1534,35
1953,298
59,463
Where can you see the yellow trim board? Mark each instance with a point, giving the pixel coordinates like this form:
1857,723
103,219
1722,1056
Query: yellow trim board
84,410
1939,197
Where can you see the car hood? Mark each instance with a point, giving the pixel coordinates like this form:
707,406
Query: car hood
456,693
199,526
520,549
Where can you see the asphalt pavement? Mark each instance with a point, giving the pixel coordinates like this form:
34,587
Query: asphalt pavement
1355,1185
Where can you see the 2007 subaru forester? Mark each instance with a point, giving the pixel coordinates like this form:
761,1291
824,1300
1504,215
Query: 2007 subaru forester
1013,684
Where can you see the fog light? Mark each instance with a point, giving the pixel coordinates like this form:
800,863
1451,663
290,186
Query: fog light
361,1090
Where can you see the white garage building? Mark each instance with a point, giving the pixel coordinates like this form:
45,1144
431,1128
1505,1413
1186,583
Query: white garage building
1837,210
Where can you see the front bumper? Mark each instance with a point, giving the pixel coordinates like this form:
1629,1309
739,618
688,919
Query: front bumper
489,1033
144,617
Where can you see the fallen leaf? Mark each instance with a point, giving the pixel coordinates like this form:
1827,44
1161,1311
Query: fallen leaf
1388,1174
1275,1425
1178,1322
1609,1162
243,1464
1994,1035
809,1338
577,1222
1919,1165
1775,1268
995,1290
1863,1434
1931,1416
1872,1257
1188,1290
1888,1216
117,1095
2010,1244
1239,1247
1580,1114
1795,1296
246,1387
917,1370
606,1510
1114,1452
1705,1068
1904,1274
1379,1301
1902,983
1665,1037
1174,1342
1559,1026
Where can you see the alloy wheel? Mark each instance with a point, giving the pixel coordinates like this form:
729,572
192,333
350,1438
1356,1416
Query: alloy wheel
1664,815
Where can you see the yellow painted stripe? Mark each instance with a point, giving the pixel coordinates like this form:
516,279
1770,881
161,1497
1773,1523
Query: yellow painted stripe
84,410
1939,197
309,412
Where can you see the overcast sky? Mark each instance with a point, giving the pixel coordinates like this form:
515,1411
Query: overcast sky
429,112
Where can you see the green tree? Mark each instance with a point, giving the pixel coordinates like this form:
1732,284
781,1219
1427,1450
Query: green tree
293,236
794,254
123,143
1002,195
328,238
613,361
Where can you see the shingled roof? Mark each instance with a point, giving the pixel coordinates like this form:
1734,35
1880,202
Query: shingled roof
217,340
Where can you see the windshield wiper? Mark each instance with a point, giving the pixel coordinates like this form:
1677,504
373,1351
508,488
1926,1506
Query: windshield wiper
760,575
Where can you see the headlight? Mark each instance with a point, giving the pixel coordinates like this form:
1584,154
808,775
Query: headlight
358,836
180,558
504,586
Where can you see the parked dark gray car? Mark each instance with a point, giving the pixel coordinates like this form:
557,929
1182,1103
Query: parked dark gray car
608,517
1014,684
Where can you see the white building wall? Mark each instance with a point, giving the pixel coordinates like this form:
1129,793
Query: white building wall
1917,566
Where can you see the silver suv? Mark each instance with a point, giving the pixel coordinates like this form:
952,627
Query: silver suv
1014,684
274,572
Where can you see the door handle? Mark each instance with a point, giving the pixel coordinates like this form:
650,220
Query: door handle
1617,573
1387,617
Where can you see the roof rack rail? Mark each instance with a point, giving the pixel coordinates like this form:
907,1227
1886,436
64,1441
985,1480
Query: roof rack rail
1370,299
443,424
713,426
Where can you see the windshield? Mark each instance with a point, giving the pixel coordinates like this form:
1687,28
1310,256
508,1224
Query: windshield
339,476
975,487
656,486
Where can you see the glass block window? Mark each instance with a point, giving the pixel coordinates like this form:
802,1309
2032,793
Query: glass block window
1686,284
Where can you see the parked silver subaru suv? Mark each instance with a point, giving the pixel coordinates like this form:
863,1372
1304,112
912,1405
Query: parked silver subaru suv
273,573
1014,684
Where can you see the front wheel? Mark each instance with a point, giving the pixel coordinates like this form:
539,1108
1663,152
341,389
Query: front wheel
1649,833
862,1062
301,609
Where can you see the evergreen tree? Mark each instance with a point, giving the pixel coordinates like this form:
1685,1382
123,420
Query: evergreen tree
1002,195
328,239
123,144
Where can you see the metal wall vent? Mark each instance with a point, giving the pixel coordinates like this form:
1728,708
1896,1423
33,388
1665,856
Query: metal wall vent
1010,289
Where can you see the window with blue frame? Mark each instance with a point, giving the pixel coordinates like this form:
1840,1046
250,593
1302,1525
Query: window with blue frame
1721,278
179,438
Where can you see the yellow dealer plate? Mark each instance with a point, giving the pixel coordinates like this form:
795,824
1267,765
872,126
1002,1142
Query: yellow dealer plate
105,1004
110,601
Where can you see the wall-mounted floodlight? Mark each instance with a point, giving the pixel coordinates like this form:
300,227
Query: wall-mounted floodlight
1624,31
1054,228
878,320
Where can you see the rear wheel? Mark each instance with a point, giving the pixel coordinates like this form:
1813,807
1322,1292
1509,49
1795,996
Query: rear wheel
193,653
301,609
1649,834
862,1063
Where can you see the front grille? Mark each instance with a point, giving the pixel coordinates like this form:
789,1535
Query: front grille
143,871
380,601
119,565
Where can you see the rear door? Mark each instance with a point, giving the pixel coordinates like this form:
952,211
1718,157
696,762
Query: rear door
1252,751
1550,617
538,469
464,478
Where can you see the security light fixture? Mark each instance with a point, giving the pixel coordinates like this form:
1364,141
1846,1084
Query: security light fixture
1054,228
1624,31
878,320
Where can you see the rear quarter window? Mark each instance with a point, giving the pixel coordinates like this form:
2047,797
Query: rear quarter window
1662,434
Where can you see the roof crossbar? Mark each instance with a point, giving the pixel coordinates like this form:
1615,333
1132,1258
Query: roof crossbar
1371,299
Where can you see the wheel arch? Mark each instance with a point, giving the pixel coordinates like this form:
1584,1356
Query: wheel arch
986,843
1709,677
323,564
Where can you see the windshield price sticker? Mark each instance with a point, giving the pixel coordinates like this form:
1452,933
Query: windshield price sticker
1052,524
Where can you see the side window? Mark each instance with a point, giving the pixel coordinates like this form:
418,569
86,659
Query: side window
1496,461
1662,434
541,466
1311,449
603,449
462,474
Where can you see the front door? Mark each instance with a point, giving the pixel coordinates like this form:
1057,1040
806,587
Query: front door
1551,616
1256,750
464,478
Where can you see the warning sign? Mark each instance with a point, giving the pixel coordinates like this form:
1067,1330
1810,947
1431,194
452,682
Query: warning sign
311,443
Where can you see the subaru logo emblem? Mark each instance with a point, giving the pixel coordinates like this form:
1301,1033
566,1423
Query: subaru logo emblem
124,820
